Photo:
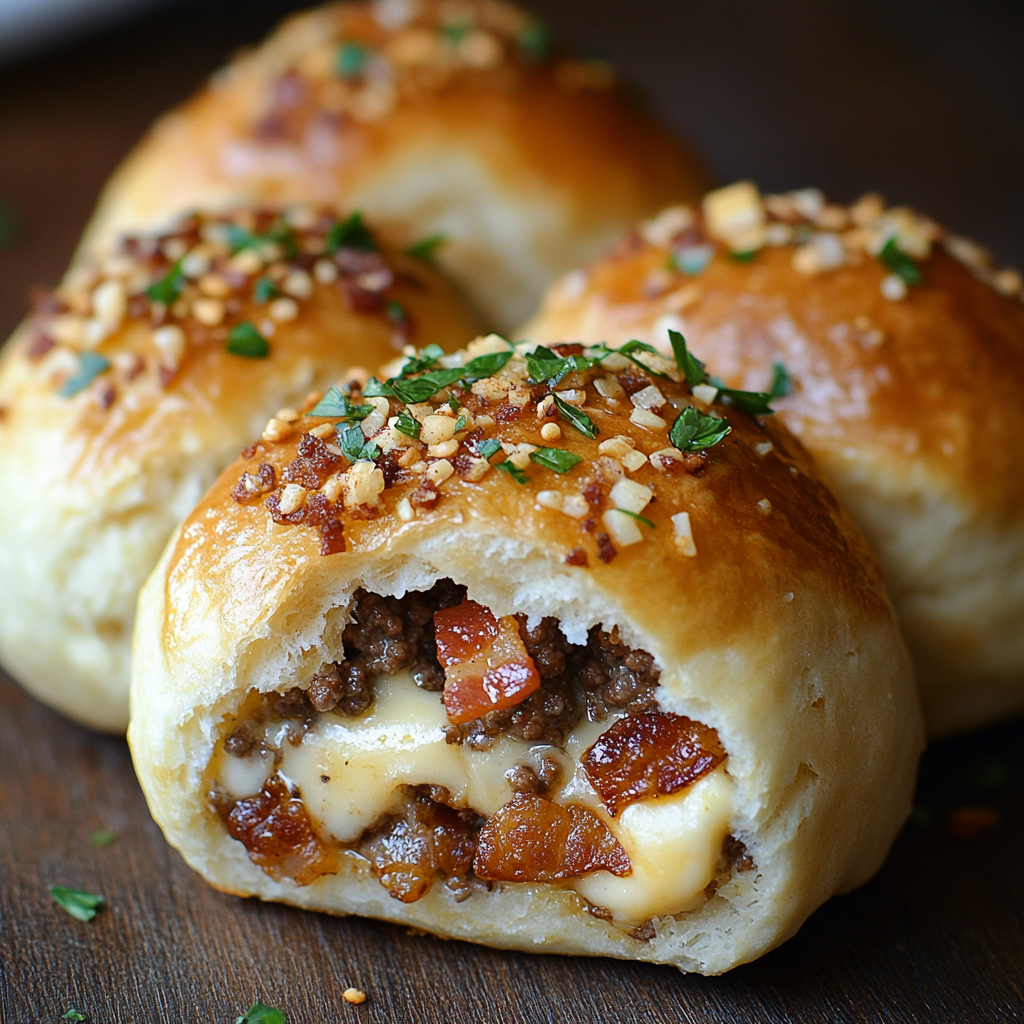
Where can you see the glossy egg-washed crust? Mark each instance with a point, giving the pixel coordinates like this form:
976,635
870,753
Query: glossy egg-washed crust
464,122
913,405
105,473
777,633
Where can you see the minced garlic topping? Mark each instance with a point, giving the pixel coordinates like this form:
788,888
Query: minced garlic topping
824,236
228,280
435,420
381,54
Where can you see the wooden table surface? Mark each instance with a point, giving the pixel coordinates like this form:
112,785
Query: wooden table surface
938,936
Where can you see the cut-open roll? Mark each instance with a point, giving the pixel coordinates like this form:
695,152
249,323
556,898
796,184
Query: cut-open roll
138,380
446,120
553,655
897,353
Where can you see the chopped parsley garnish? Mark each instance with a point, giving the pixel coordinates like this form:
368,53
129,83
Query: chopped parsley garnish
425,248
488,447
169,287
355,447
90,366
691,259
80,905
693,430
577,417
453,32
460,423
408,425
260,1013
753,402
334,403
515,472
424,361
545,365
264,290
421,388
690,366
74,1014
636,515
602,351
782,383
281,234
245,340
454,404
743,256
374,388
486,366
350,233
101,837
395,312
900,263
555,459
534,42
351,59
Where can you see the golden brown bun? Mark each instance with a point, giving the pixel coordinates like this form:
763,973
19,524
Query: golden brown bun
776,632
528,162
913,405
103,476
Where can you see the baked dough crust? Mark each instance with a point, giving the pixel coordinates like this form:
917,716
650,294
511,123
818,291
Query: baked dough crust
528,166
97,490
778,634
914,409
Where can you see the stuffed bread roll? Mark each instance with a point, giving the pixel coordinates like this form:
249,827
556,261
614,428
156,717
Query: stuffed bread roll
138,380
454,120
897,351
554,656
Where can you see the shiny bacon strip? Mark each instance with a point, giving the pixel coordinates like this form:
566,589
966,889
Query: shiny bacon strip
648,755
431,838
485,661
531,839
275,829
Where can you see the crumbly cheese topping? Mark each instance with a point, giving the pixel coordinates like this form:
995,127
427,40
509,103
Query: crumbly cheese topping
228,280
824,236
439,421
382,54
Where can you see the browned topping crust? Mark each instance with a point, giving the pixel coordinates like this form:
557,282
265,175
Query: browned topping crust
737,221
226,280
384,54
531,413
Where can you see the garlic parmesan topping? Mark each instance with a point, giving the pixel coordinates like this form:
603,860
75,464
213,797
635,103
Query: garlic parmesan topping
363,64
824,237
228,280
530,413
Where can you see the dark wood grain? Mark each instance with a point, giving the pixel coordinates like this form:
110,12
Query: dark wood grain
848,94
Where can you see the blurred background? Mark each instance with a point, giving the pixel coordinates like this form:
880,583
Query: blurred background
922,100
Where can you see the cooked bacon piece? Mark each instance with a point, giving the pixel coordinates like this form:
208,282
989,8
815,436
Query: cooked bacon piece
313,464
252,486
531,839
274,827
431,838
650,754
486,664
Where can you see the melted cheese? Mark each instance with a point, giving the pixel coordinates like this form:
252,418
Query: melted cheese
350,769
674,843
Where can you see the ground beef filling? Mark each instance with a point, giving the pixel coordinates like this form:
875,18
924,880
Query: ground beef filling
432,840
386,635
391,634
